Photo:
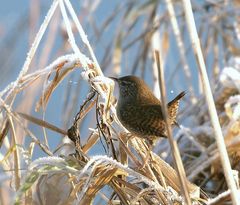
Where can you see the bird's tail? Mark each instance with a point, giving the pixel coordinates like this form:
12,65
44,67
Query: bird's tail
173,107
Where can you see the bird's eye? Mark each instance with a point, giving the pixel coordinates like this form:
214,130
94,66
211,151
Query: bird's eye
124,83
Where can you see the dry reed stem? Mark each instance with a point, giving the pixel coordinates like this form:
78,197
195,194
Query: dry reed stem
16,161
174,147
210,102
125,190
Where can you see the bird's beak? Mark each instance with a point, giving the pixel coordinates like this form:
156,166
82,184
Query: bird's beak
114,79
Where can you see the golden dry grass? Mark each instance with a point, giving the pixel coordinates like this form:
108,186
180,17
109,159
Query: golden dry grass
116,174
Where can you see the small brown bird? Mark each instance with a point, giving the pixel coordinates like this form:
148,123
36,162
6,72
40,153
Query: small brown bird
140,111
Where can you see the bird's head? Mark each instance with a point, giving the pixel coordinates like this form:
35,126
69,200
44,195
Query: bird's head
129,86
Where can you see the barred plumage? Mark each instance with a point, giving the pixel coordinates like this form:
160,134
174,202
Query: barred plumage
140,111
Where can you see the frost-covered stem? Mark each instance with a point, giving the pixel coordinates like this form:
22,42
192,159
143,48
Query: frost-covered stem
210,102
74,46
76,49
71,38
83,35
88,180
38,38
32,50
106,160
219,198
237,30
71,59
180,45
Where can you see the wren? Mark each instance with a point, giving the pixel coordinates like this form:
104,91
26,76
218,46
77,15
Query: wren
140,111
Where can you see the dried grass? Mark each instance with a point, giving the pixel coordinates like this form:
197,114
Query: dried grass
117,175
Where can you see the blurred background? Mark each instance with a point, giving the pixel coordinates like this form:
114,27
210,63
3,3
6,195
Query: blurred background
123,35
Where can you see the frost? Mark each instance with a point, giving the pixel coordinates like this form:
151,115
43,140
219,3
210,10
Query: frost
47,161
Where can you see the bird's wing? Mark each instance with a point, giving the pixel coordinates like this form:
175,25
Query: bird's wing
147,120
